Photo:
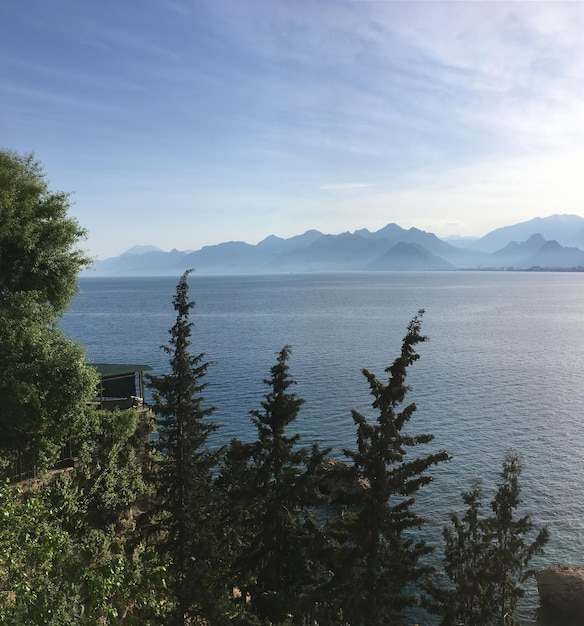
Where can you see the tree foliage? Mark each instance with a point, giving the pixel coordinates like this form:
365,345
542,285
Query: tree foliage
466,544
37,238
44,383
79,559
44,386
64,539
377,564
272,488
184,511
36,558
108,477
487,556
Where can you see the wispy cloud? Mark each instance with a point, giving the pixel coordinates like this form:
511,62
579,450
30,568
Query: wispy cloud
49,96
477,197
345,186
110,37
75,77
479,66
425,113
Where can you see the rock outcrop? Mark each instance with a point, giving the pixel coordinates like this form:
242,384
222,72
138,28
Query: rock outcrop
563,586
338,481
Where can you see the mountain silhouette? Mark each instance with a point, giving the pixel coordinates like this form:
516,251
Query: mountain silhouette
391,248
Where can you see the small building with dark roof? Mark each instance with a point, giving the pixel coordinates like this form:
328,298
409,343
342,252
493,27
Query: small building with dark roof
121,385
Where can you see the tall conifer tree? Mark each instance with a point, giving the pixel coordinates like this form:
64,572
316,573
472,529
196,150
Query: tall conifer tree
275,566
377,562
182,475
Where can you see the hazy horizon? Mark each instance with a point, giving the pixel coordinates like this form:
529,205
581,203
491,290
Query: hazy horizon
135,247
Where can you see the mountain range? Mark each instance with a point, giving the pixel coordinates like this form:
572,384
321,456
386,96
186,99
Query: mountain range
551,243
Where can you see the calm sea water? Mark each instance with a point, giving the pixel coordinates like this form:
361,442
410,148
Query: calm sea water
503,369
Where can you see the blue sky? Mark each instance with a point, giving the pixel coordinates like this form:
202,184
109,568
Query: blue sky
183,123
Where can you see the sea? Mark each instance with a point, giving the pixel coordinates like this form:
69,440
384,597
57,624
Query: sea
502,370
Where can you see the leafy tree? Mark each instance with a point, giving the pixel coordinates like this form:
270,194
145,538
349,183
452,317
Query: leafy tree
376,560
272,484
44,387
118,577
111,456
79,558
186,518
44,383
487,557
37,239
36,563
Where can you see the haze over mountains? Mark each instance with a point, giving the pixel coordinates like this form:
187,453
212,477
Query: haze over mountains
554,242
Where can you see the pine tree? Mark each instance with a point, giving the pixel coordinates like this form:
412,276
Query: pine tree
376,562
487,556
277,486
466,545
510,551
183,474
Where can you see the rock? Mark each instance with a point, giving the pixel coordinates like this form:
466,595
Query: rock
340,483
563,586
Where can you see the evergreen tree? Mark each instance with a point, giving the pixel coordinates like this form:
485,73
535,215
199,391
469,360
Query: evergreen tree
376,560
510,551
276,485
487,557
183,475
466,548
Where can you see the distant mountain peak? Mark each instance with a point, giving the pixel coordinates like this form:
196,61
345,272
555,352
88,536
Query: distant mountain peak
536,238
142,250
269,239
567,230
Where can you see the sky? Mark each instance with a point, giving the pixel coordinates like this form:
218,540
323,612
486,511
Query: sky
185,123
